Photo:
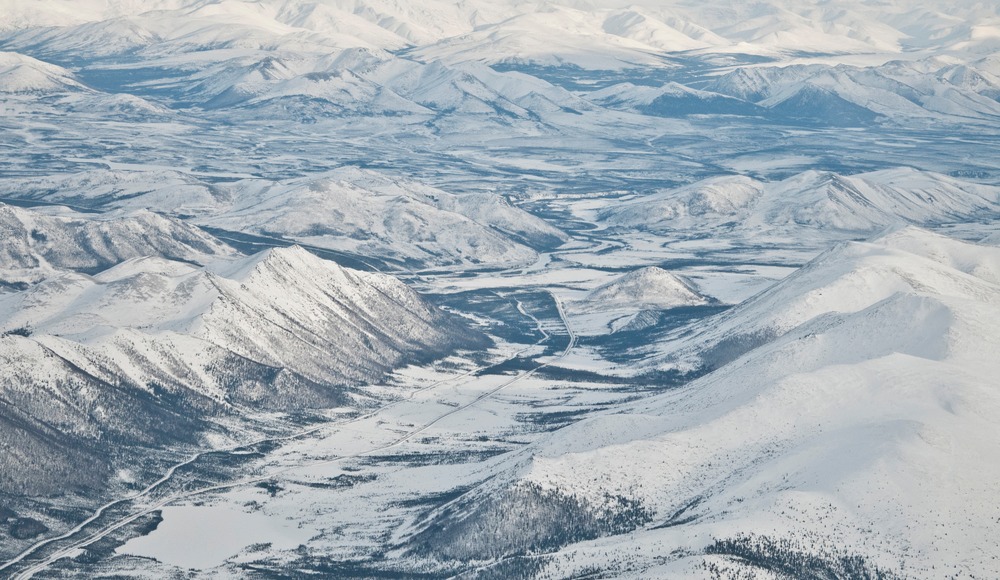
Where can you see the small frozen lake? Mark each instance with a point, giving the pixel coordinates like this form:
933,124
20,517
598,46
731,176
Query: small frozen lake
203,537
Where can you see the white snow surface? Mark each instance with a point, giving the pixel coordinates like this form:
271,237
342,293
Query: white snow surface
851,405
597,34
823,202
203,537
649,287
878,403
182,193
283,308
23,74
374,214
38,244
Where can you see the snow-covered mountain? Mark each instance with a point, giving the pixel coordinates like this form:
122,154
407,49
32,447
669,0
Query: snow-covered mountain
631,301
539,38
38,244
683,25
848,278
370,214
145,350
896,90
865,404
23,74
873,200
359,211
824,202
161,190
282,58
27,80
137,327
645,288
283,309
671,100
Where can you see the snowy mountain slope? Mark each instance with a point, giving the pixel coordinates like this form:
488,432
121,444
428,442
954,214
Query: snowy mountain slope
371,214
847,25
153,340
825,202
829,417
397,86
330,20
19,15
237,80
358,81
23,74
849,278
660,29
813,29
619,34
163,190
26,80
413,22
58,418
895,90
973,79
486,209
483,227
776,24
873,410
214,26
187,27
118,106
103,38
754,84
868,201
627,34
472,87
280,309
496,212
560,36
631,301
814,104
983,263
264,56
38,244
670,100
711,202
645,288
893,96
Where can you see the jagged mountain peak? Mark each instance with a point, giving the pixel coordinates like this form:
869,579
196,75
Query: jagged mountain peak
271,259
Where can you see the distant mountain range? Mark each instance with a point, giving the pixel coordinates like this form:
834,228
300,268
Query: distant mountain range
508,289
825,204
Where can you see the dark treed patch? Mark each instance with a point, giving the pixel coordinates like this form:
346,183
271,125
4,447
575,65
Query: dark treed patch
794,559
26,528
20,331
522,519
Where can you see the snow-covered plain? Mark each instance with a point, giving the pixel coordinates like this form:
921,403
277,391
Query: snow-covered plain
385,288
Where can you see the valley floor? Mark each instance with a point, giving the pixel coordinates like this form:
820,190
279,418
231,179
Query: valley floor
365,478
